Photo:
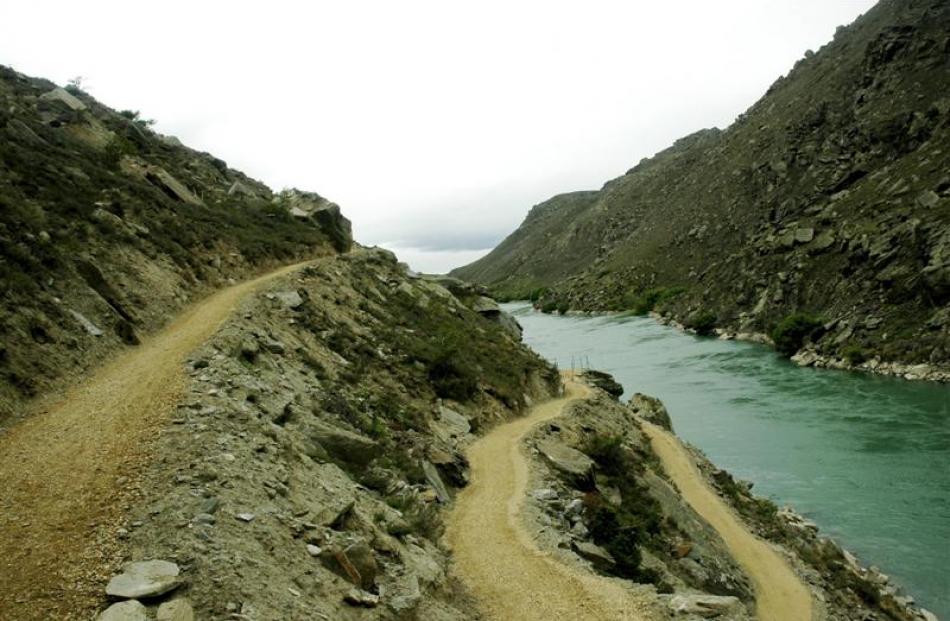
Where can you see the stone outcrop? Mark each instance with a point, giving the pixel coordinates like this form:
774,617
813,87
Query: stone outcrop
327,215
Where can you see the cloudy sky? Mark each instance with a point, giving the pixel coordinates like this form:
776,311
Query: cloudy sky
435,125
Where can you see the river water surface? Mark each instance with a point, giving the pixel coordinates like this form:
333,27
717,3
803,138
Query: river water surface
866,457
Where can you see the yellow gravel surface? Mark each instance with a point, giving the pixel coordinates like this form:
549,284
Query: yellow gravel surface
61,492
497,559
780,593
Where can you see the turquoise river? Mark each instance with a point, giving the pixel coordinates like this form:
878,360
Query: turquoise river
867,458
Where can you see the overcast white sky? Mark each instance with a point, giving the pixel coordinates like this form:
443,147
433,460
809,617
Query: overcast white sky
435,125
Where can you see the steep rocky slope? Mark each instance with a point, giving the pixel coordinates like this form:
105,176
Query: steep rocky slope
828,200
107,228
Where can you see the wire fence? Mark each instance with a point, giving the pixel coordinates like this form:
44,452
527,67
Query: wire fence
578,363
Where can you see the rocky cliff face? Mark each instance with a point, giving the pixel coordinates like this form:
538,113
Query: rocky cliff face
829,198
107,228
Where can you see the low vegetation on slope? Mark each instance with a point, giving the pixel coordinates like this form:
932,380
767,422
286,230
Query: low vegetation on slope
334,445
829,197
107,227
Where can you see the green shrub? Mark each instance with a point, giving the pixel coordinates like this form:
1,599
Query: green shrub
622,530
646,301
792,332
607,452
563,307
854,355
702,322
549,306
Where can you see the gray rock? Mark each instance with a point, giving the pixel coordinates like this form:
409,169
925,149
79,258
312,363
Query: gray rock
705,606
545,494
604,381
130,610
290,299
928,199
327,215
356,563
176,610
510,324
435,481
593,553
63,96
87,325
144,579
485,305
567,460
651,409
406,595
359,597
450,424
342,444
804,235
245,517
172,187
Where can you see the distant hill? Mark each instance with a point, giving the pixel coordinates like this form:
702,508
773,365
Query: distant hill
829,197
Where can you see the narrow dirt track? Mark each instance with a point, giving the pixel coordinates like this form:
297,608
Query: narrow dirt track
59,496
780,594
496,557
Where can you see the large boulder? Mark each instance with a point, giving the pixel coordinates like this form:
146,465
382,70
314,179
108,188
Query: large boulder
62,96
650,409
327,215
604,381
342,444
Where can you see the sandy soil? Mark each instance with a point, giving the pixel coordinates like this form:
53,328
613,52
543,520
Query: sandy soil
780,594
495,555
67,472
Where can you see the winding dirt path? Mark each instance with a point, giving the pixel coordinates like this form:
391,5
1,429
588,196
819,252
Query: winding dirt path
496,557
780,594
61,491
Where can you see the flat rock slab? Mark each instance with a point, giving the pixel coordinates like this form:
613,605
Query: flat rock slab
568,460
144,579
593,553
130,610
705,606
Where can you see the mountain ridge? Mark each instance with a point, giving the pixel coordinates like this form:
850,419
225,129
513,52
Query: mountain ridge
826,199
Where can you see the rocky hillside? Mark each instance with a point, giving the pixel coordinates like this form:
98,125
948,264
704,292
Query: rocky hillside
600,497
305,473
823,211
107,229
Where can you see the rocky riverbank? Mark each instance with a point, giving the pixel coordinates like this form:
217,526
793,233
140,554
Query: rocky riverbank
595,476
809,356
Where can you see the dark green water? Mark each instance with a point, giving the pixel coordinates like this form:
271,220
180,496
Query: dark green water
867,458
